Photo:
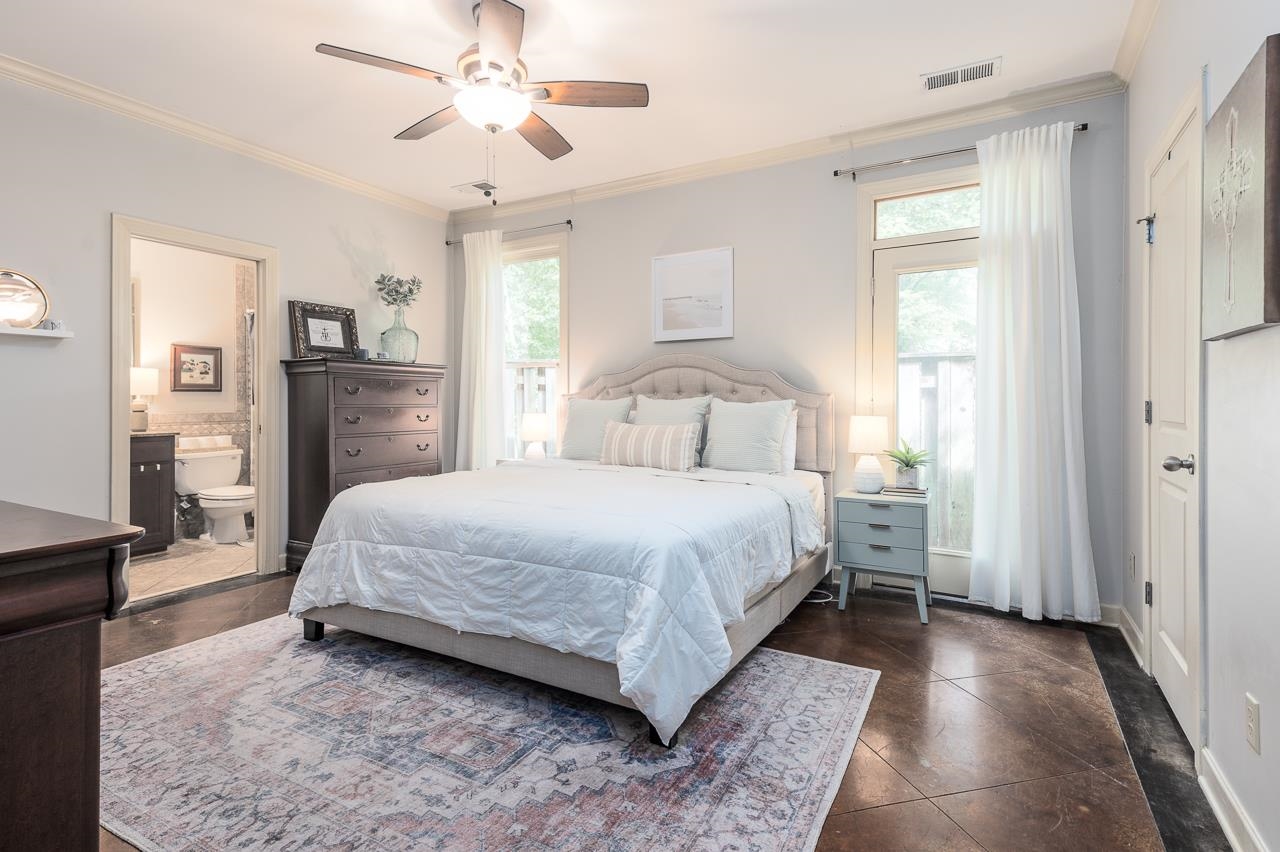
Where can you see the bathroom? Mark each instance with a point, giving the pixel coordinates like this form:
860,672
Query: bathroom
192,414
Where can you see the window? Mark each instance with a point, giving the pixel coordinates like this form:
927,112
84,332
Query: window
533,288
927,212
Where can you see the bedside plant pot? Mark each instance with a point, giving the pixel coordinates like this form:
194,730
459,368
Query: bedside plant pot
909,477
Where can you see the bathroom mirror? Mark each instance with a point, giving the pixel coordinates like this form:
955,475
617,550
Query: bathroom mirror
23,302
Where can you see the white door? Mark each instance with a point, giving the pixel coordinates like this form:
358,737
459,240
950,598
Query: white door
1174,358
925,316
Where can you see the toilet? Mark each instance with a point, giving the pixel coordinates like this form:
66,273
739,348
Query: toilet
207,469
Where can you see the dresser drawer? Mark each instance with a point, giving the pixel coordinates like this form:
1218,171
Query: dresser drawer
872,512
358,390
364,451
151,448
900,559
343,481
366,419
878,533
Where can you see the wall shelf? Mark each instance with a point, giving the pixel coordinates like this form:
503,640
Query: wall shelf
36,332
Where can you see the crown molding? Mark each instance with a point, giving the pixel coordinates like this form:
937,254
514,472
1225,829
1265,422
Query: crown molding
1141,17
34,75
1058,94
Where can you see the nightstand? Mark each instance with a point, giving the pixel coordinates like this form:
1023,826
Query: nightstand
883,534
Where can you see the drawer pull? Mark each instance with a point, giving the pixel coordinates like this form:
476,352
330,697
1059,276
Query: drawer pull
423,418
355,390
422,448
423,391
880,505
880,526
356,452
879,547
355,419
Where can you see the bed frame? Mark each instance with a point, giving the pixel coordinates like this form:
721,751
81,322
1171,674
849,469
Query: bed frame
664,377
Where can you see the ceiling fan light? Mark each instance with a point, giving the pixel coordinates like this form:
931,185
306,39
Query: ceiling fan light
487,105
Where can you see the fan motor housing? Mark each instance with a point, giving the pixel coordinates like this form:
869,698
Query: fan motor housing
471,69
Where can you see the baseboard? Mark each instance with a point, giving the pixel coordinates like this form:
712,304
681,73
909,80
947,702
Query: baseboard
1132,635
1235,822
1111,615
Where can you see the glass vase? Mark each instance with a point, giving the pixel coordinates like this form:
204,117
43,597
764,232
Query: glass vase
400,342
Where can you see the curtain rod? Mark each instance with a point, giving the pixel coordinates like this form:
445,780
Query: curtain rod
568,222
1079,128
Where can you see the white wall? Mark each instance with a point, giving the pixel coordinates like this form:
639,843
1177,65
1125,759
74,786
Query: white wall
793,231
185,296
66,171
1242,407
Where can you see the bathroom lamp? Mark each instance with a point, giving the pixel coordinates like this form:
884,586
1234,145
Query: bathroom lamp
535,428
143,382
868,437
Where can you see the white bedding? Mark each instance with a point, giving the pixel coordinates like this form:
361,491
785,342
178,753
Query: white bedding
635,566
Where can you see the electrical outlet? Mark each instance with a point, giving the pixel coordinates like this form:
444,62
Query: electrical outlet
1133,566
1253,722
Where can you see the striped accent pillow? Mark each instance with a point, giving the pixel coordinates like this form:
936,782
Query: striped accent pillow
664,447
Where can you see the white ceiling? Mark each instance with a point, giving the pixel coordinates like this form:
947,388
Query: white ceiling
726,77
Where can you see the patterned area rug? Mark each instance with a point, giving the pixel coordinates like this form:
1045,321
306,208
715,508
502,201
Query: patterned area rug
256,739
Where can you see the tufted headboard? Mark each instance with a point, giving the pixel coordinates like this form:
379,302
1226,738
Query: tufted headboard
677,376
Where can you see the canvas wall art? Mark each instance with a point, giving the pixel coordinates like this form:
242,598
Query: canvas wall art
1241,229
693,295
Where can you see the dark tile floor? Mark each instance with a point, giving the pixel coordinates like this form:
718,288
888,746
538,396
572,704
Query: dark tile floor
985,731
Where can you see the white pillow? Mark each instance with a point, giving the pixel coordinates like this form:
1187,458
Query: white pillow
584,424
671,412
747,436
664,447
789,443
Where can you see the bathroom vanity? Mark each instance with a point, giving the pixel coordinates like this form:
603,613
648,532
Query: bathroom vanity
151,489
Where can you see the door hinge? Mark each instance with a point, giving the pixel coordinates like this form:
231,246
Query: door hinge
1146,412
1150,222
1146,594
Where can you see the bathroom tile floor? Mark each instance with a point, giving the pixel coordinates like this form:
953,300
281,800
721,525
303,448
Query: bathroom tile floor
188,562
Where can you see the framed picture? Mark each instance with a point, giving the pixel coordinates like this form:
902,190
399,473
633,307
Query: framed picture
693,295
1241,225
195,368
323,331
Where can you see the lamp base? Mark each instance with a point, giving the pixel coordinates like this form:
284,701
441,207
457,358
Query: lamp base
535,450
868,476
138,419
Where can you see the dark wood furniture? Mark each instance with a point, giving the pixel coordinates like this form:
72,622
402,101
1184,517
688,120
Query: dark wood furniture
151,489
352,422
60,575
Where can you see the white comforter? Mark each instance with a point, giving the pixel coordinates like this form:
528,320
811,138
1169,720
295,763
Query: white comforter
634,566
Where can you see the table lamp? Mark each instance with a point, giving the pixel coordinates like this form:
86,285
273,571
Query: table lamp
868,437
143,382
535,428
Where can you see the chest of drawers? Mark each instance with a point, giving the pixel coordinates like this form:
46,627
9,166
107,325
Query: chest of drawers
352,422
882,534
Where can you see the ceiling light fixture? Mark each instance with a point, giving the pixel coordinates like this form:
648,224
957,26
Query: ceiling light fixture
492,107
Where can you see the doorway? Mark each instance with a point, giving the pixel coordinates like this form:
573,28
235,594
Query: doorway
194,412
1173,491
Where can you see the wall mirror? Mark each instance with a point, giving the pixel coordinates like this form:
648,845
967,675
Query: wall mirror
23,302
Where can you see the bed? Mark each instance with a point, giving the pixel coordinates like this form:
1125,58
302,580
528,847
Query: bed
638,587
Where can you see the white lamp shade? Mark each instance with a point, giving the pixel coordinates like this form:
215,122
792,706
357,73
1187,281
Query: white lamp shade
535,426
144,381
486,105
868,433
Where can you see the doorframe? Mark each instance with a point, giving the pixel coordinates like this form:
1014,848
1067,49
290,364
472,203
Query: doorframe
1187,118
265,379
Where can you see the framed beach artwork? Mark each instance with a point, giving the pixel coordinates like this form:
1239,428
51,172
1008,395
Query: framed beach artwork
693,295
1241,243
195,368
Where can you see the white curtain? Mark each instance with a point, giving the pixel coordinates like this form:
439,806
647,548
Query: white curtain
480,423
1031,543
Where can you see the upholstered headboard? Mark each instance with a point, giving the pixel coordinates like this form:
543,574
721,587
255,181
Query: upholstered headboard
678,376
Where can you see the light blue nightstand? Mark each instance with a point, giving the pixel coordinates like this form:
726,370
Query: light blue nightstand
883,534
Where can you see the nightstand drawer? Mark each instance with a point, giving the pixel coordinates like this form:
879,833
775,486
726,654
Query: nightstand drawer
872,512
900,559
878,533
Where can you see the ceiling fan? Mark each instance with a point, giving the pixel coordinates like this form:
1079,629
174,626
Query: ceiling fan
491,88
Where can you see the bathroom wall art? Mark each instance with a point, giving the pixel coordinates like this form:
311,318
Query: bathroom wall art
195,368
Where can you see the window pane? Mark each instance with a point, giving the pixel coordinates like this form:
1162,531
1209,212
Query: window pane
927,212
532,345
937,343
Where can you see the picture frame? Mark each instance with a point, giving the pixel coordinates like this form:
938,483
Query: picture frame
194,367
693,295
323,331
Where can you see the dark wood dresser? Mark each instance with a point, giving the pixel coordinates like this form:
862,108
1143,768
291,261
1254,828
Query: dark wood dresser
60,575
352,422
151,489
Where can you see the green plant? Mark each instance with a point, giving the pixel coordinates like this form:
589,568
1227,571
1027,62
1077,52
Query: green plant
907,458
398,292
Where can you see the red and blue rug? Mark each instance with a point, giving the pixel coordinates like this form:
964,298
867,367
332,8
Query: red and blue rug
256,739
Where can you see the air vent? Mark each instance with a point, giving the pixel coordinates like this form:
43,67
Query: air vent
482,187
961,74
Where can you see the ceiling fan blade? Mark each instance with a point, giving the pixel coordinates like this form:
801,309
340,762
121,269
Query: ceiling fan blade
430,124
592,93
544,137
501,26
381,62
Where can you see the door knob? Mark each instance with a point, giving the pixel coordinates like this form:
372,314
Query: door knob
1173,463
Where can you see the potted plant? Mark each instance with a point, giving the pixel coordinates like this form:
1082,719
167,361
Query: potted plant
399,342
909,462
